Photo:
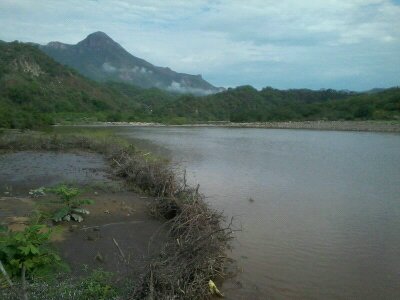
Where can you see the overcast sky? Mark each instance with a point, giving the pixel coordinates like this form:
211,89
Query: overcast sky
341,44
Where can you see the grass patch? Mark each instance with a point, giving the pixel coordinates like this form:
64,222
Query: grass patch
98,285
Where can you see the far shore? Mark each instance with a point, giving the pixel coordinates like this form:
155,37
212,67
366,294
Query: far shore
373,126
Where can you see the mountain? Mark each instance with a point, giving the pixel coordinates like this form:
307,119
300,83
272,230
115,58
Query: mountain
102,59
34,88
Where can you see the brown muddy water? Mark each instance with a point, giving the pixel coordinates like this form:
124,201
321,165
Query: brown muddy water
324,222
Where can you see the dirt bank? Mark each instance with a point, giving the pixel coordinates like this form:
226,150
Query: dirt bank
118,217
196,236
377,126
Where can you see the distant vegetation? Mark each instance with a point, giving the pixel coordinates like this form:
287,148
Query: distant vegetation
35,90
246,104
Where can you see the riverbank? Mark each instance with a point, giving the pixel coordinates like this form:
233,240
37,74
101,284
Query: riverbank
193,239
373,126
318,195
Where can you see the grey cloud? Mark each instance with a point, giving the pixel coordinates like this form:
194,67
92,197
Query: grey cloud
288,43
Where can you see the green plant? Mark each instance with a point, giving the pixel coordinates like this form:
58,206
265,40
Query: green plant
36,193
98,286
72,209
26,250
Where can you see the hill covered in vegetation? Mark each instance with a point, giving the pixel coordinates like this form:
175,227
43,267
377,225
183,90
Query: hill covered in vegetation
36,90
246,104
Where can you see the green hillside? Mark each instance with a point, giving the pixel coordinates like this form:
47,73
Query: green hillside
35,90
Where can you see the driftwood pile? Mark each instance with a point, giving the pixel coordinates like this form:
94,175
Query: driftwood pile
197,242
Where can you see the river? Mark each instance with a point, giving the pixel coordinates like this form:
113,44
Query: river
323,221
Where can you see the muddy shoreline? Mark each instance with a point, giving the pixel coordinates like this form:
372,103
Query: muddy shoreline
153,229
371,126
116,213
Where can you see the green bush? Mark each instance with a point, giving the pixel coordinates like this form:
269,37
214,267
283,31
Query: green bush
97,286
28,248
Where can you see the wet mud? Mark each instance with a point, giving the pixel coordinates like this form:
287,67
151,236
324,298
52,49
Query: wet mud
118,235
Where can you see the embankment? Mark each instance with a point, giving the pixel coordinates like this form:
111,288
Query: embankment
373,126
196,237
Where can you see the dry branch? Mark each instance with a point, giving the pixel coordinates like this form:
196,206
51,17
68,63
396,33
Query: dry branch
4,272
120,250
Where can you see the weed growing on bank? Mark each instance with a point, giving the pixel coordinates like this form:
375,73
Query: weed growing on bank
72,207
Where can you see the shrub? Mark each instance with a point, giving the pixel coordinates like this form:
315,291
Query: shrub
26,249
72,209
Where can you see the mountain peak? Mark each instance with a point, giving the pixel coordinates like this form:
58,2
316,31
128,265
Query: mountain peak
100,58
97,39
98,35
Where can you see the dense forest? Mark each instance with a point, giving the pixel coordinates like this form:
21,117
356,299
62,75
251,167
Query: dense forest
246,104
35,90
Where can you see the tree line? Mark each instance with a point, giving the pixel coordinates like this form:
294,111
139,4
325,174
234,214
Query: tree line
35,91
